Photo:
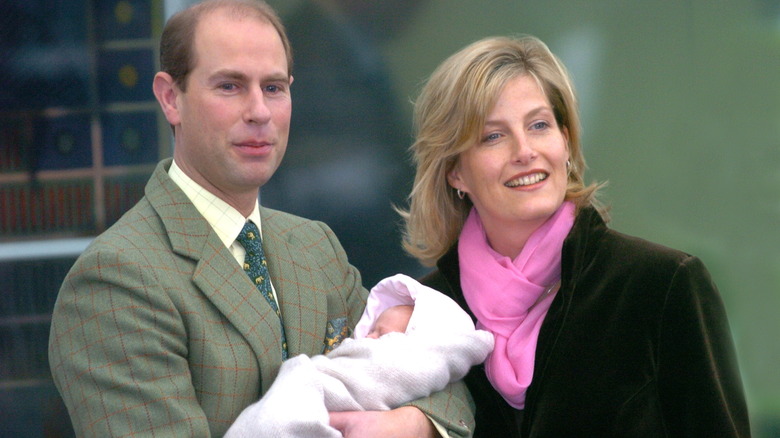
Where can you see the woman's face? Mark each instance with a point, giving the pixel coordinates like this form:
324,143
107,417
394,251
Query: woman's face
516,175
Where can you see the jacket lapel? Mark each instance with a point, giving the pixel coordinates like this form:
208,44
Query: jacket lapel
227,286
303,305
217,275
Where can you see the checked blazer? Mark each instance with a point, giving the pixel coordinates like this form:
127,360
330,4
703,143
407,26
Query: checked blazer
157,331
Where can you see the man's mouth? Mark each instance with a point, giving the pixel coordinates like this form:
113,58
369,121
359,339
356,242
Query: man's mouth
253,144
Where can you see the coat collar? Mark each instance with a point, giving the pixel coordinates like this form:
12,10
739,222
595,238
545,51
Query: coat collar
588,229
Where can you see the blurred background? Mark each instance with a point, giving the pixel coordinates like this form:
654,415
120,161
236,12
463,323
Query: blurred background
680,104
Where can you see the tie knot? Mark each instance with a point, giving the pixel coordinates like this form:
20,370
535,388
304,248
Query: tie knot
249,237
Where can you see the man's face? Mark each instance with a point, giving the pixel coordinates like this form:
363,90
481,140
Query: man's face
232,123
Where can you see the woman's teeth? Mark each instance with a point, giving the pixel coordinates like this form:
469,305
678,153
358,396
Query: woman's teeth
527,180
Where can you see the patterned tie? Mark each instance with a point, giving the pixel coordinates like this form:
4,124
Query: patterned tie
257,269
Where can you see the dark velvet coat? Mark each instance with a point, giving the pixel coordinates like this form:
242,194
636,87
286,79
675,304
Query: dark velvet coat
635,344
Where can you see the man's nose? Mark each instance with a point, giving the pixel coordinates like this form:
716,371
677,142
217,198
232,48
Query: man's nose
257,111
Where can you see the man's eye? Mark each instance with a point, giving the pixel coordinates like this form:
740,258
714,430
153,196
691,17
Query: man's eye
228,87
272,88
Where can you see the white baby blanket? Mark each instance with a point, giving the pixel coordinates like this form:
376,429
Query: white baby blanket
440,346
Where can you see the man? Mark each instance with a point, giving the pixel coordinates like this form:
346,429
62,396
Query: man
158,330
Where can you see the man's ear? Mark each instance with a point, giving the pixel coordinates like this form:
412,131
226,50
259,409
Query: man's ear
166,92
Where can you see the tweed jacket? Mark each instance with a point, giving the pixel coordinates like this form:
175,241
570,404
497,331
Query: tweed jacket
635,344
157,331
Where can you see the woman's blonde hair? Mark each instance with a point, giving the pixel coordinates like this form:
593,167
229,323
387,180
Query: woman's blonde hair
449,115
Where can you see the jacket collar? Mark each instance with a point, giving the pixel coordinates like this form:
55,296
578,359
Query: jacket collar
588,229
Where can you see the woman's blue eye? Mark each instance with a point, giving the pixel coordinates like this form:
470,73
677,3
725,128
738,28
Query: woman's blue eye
539,125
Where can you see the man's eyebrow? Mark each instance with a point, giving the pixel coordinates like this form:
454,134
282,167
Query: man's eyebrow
227,74
239,76
278,77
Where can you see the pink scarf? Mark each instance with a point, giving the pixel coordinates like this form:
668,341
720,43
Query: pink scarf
508,297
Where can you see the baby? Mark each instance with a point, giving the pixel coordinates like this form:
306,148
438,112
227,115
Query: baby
393,320
417,339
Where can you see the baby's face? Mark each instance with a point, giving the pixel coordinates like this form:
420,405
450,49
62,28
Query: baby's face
393,319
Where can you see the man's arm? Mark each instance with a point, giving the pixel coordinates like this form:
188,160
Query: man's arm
447,413
451,409
404,422
118,353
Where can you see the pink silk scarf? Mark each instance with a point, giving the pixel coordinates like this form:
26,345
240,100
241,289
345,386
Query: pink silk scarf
508,296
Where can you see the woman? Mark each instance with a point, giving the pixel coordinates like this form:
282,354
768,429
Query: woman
597,333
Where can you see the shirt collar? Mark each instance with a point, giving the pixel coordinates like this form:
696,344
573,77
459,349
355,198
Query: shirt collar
226,221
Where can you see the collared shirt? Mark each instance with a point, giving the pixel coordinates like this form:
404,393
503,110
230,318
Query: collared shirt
226,221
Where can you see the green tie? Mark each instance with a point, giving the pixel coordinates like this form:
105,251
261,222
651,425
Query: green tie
257,270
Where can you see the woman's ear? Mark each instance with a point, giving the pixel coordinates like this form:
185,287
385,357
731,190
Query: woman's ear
565,132
166,92
453,178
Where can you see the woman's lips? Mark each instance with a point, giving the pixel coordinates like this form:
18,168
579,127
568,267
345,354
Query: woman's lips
527,180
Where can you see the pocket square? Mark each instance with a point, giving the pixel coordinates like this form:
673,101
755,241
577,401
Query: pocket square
336,331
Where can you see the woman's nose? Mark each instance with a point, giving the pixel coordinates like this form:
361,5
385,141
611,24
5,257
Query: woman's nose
523,152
